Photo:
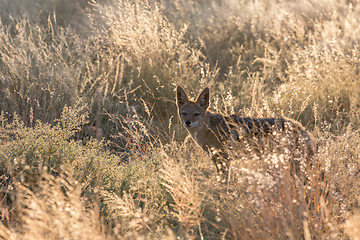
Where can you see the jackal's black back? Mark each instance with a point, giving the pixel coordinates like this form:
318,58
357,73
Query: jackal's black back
235,127
256,126
295,133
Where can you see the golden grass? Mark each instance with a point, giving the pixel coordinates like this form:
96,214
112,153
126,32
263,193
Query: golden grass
116,164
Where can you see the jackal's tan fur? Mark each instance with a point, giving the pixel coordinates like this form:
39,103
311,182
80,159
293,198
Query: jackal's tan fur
215,133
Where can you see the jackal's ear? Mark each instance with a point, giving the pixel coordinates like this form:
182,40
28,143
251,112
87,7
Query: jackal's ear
203,98
181,97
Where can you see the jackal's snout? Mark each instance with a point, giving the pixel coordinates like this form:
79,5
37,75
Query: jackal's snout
190,124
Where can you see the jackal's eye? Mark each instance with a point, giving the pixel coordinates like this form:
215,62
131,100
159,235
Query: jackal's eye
183,113
196,114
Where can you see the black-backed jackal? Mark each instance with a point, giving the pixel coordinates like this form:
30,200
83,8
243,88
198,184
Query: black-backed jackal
216,133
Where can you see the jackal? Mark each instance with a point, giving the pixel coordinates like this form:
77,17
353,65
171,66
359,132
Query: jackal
215,133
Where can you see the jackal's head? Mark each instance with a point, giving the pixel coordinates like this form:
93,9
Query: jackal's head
192,113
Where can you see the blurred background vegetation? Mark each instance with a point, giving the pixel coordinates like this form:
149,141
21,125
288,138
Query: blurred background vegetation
88,112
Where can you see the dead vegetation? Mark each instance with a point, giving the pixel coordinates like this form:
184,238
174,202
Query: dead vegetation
90,145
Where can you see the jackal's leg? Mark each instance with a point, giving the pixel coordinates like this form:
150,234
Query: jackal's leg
222,164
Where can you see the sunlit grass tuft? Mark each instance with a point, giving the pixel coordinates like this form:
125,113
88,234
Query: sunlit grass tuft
90,142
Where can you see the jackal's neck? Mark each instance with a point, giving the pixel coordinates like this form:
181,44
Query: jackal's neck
204,136
198,131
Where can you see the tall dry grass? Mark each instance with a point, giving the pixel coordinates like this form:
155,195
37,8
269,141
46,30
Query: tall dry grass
91,146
